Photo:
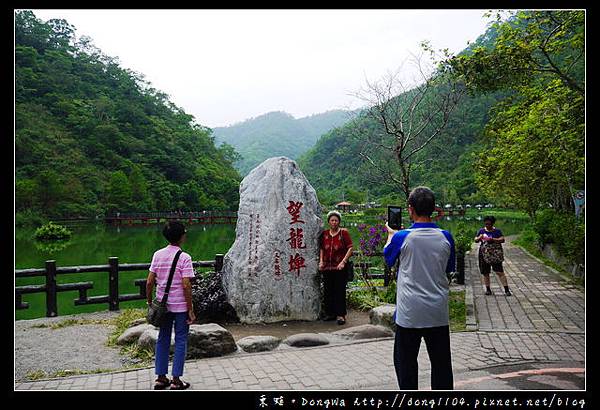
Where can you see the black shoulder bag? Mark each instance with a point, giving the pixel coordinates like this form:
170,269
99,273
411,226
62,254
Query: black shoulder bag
349,265
157,311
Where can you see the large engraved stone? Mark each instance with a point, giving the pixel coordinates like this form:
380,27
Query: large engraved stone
270,272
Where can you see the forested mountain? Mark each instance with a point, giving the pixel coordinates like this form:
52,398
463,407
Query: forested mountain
516,137
277,133
92,137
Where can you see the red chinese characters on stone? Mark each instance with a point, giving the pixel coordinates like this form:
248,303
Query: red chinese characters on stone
296,263
296,238
294,210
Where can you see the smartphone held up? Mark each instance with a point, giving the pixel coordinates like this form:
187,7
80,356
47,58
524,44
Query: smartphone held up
394,217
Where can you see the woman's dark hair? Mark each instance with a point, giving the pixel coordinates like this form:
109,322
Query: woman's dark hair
490,218
422,200
173,231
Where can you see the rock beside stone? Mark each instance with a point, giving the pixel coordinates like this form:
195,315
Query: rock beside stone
148,338
252,344
209,340
383,315
306,340
364,332
133,333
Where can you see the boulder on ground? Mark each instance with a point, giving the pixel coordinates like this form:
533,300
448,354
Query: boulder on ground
252,344
133,333
306,340
148,338
364,332
383,315
209,340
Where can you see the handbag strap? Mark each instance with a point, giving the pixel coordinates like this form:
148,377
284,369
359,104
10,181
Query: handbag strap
170,280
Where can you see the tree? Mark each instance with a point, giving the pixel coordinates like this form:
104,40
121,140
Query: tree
536,136
529,45
409,119
119,193
140,197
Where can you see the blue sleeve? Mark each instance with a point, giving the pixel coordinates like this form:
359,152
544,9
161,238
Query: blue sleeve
499,233
451,266
392,251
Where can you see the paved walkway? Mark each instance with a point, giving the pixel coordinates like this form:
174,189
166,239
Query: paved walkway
537,335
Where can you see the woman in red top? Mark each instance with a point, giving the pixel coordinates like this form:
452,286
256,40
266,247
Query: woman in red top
335,249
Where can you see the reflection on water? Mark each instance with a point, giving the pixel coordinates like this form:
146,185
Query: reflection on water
93,244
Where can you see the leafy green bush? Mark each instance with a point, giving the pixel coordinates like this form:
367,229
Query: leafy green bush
529,238
543,225
363,299
463,238
52,231
564,230
568,234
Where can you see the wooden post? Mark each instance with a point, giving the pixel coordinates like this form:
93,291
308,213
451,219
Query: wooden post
51,305
113,283
218,262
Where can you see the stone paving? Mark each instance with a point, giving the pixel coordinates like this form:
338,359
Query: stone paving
542,322
540,301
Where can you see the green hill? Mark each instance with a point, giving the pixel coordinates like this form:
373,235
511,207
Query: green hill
92,137
277,133
517,137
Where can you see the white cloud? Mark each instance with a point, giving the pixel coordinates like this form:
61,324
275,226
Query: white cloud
224,66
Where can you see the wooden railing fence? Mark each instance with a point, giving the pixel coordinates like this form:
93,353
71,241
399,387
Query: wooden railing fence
51,288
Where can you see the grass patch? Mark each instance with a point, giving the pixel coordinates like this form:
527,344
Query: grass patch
458,311
123,322
36,375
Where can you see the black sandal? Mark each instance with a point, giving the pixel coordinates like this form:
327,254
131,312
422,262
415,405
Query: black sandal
179,385
161,384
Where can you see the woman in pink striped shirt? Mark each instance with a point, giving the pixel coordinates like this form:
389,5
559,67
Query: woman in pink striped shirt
179,305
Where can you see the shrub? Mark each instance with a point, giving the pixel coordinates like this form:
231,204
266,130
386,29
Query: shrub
463,238
568,234
529,238
562,229
52,231
543,225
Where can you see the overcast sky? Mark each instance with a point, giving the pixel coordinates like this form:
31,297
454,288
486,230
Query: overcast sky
225,66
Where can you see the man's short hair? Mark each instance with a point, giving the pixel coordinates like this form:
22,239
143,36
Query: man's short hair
422,200
490,218
173,231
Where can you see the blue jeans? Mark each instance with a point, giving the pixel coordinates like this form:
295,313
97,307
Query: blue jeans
163,343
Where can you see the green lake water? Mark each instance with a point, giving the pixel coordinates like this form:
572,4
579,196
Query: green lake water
94,243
